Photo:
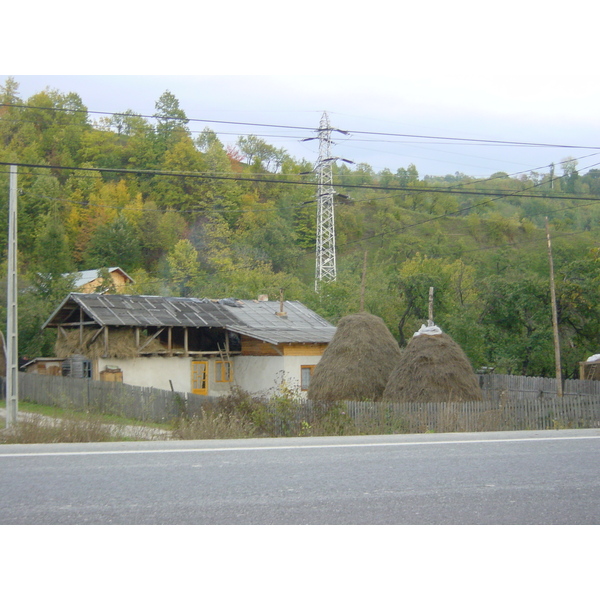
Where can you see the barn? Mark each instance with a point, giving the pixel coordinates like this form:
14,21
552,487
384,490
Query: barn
196,345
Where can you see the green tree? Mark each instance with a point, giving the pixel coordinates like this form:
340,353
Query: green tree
171,122
114,244
159,232
184,268
518,322
52,252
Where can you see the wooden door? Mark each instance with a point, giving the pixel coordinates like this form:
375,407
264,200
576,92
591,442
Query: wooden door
200,377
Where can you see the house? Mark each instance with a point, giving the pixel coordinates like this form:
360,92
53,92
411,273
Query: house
190,344
88,282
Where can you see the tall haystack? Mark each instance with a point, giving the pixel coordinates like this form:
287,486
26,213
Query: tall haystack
357,363
433,368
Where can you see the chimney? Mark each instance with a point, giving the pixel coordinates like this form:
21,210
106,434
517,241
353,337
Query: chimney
281,312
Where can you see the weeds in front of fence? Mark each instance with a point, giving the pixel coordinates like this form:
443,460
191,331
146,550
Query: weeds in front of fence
212,425
130,413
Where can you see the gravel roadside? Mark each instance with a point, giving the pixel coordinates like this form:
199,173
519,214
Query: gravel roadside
137,432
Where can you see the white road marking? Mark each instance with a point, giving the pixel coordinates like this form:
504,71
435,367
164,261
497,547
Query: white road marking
295,447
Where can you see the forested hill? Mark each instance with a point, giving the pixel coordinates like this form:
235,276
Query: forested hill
186,216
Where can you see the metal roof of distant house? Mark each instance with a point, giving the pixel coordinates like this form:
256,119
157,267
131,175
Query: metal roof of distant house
84,277
260,320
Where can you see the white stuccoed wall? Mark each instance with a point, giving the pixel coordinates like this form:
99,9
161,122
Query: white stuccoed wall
254,374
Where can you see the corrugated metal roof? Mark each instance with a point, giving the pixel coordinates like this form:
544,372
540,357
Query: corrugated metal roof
255,319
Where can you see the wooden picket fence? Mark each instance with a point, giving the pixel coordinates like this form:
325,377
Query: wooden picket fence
509,403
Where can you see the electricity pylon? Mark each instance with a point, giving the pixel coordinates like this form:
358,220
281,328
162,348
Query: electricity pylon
326,269
325,250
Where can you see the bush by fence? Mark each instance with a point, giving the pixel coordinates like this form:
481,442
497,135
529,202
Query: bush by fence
510,403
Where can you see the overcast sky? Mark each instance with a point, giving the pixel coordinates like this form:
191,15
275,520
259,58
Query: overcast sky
512,71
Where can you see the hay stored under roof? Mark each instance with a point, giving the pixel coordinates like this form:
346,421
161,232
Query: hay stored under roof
433,368
121,344
357,362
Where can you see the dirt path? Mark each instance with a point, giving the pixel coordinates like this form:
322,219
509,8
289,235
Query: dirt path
137,432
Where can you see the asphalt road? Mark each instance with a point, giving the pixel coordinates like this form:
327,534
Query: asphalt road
543,477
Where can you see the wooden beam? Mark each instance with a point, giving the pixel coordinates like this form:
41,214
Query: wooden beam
96,335
80,326
430,322
151,338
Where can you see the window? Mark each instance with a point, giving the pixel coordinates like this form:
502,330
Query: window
224,371
305,375
87,368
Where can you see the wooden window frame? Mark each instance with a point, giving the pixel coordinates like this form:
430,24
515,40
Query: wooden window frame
223,371
310,369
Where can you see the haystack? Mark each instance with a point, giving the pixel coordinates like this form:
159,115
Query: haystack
433,368
357,363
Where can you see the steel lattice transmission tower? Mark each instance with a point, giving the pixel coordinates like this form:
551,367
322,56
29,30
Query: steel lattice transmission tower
325,249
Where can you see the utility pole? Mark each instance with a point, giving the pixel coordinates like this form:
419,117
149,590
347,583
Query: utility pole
559,389
12,338
363,284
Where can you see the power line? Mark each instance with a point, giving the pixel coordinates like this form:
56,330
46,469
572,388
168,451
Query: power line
303,128
431,190
457,212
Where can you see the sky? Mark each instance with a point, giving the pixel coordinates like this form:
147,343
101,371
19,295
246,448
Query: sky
512,72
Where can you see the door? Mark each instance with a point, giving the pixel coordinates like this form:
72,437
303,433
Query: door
200,377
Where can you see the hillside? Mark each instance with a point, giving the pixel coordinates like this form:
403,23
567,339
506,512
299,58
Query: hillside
186,216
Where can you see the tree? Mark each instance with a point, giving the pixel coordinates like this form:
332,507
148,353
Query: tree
35,203
9,116
456,300
52,252
114,244
518,324
184,268
159,232
57,133
171,120
260,154
570,181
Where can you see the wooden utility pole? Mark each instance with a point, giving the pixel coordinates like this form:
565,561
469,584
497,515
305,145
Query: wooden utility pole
559,388
363,283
